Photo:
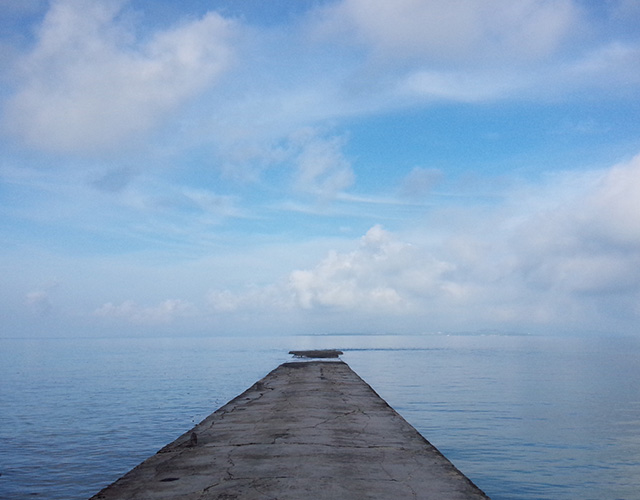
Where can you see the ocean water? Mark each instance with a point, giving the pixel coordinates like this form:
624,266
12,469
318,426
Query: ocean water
526,418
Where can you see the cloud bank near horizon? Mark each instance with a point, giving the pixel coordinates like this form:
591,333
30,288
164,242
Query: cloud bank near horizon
548,257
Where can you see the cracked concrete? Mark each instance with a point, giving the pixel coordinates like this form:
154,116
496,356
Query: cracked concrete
307,430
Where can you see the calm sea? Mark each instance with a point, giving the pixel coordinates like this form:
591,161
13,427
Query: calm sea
524,417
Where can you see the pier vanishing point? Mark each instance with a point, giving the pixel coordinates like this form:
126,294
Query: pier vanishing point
308,430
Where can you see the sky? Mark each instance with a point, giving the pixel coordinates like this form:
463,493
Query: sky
253,167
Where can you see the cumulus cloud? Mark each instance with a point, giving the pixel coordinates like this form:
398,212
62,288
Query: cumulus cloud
381,275
559,254
590,243
564,253
90,83
132,312
614,207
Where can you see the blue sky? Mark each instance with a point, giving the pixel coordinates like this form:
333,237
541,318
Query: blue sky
251,167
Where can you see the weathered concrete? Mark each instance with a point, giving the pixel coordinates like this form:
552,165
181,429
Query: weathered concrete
307,430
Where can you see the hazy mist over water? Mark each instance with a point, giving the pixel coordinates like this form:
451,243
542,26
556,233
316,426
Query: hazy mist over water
524,417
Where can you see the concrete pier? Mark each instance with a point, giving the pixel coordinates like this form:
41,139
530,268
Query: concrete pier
310,429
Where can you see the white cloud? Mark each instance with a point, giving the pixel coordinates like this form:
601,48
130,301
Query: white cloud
470,51
589,242
132,312
459,30
315,160
458,86
321,167
613,213
381,275
616,63
90,83
561,254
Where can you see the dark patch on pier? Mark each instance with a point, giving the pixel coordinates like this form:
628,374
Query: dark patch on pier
317,353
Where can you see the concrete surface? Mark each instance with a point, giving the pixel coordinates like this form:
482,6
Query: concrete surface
307,430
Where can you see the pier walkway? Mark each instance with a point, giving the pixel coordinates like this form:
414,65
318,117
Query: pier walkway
310,429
